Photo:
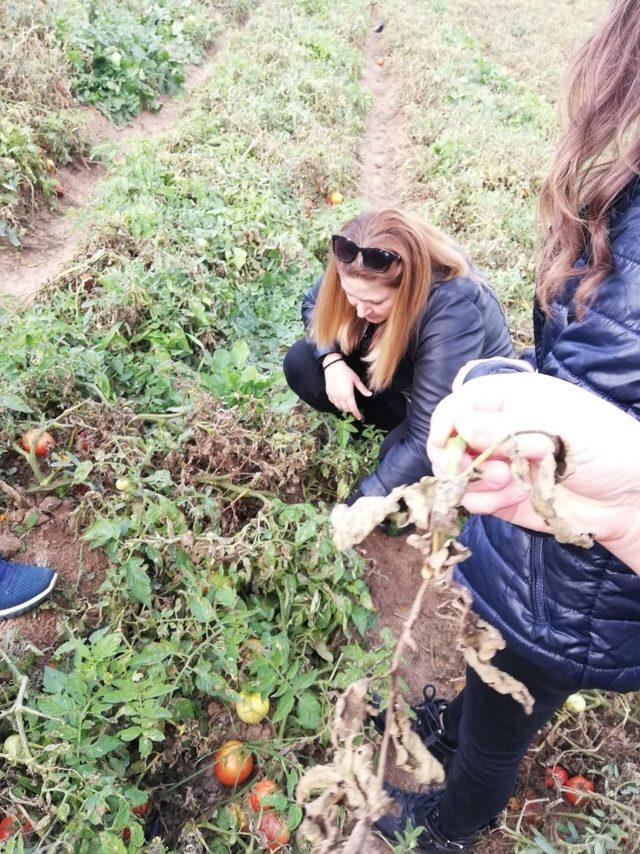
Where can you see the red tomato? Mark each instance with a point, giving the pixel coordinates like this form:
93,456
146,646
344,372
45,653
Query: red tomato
126,834
142,809
44,443
578,784
10,825
262,788
556,776
232,763
275,831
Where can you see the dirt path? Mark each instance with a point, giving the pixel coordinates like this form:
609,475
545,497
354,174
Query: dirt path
55,236
385,143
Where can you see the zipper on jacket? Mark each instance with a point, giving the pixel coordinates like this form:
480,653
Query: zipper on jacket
537,580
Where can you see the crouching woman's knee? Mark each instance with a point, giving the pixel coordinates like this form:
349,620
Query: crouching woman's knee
302,371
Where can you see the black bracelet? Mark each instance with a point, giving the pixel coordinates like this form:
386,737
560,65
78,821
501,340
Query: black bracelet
328,365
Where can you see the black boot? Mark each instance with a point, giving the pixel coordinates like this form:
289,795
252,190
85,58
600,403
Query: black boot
428,724
421,810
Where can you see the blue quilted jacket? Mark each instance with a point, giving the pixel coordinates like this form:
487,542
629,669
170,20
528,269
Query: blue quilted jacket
574,612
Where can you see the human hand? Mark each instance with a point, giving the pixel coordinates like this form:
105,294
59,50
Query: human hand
340,385
601,491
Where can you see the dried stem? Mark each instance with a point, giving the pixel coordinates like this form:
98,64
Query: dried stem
405,640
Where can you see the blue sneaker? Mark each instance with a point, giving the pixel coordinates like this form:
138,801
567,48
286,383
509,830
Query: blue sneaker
22,587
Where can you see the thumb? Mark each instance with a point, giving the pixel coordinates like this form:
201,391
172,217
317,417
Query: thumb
362,387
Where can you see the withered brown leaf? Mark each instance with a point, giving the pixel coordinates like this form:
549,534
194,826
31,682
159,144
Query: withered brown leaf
411,754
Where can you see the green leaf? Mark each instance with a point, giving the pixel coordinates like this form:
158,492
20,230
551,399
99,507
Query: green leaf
201,609
284,707
53,680
361,617
227,596
239,258
102,532
82,472
129,733
294,816
138,581
13,402
309,711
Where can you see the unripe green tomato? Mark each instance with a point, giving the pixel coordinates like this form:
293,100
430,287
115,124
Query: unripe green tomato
115,58
123,484
576,704
14,748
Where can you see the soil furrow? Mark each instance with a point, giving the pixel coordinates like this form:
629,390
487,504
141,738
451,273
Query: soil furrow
55,236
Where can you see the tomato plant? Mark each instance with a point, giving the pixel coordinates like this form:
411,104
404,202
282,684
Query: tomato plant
233,764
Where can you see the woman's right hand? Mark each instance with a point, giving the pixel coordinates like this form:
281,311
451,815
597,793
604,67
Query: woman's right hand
340,384
599,494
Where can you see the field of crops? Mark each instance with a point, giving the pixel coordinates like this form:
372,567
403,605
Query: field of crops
186,501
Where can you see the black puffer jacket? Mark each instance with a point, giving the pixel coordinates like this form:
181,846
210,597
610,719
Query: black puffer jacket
462,320
573,611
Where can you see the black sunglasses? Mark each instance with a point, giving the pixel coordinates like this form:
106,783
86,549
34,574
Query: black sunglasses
374,259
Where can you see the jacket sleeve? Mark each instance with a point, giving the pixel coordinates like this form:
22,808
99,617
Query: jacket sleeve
452,334
601,351
308,305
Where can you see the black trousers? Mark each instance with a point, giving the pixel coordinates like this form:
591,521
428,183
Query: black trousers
492,734
387,409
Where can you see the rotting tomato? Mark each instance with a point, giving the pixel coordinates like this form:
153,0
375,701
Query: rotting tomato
142,809
556,776
10,825
576,785
232,763
274,830
44,442
259,791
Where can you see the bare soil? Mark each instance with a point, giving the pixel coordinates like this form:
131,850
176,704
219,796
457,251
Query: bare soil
56,234
385,144
81,571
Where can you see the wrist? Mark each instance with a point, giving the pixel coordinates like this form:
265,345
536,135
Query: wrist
329,357
625,543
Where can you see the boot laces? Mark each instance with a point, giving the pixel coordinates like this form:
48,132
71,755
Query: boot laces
428,714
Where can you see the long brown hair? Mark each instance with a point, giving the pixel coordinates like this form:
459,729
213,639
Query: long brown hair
596,157
425,253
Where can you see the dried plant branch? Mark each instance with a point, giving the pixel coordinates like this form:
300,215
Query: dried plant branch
432,505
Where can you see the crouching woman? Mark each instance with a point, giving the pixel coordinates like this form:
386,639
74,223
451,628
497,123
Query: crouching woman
396,314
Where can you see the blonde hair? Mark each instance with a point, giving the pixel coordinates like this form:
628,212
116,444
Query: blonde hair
596,156
426,254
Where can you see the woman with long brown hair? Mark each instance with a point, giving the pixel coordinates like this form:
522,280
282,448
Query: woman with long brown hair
397,313
570,616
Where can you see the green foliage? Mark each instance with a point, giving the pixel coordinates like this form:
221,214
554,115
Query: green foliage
216,533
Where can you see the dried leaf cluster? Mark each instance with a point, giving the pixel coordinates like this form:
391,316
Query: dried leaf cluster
432,505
